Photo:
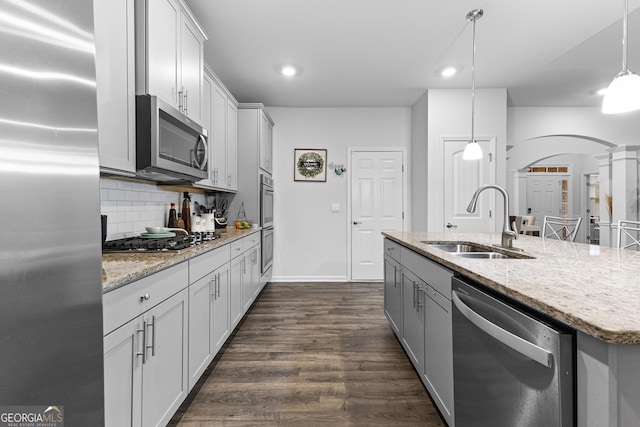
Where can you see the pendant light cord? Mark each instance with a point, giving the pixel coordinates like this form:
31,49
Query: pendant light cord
473,82
624,36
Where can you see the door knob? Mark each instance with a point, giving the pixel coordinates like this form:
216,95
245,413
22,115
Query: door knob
449,225
357,222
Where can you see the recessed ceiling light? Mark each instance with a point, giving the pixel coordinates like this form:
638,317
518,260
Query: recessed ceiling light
448,71
289,70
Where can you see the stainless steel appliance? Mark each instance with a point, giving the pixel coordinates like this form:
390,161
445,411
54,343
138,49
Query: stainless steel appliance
511,367
266,201
266,221
51,352
169,145
159,244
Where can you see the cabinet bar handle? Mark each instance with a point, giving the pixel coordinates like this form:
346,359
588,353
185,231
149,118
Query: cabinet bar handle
144,342
214,287
218,284
153,338
186,102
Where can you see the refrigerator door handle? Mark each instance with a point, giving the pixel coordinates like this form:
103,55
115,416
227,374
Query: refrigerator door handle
522,346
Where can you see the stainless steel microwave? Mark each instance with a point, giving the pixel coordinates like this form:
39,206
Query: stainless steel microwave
169,145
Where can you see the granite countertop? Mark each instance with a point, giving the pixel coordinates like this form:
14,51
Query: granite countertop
120,269
591,288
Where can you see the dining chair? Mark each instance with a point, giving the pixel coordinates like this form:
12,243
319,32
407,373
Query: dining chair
630,230
560,228
528,225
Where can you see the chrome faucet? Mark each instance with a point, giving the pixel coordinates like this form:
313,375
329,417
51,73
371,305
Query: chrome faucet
507,234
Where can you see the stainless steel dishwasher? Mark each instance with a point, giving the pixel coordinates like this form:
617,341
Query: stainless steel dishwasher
510,368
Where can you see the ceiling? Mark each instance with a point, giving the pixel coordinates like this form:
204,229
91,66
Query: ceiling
385,53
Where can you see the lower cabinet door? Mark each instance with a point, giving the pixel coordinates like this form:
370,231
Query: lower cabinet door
393,294
248,289
164,373
221,319
235,293
123,375
413,318
438,357
201,346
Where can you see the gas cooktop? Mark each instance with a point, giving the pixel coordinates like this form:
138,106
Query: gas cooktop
160,244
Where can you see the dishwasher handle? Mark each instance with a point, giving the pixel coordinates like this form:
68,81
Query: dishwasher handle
520,345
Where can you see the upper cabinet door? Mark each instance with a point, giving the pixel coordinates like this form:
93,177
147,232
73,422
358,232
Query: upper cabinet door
232,144
191,67
115,75
266,144
162,21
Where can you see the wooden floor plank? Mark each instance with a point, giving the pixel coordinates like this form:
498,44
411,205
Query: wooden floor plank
311,354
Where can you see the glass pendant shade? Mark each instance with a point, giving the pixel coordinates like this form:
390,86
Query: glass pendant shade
623,94
472,151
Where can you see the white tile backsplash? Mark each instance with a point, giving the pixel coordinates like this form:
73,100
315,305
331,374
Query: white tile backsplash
132,206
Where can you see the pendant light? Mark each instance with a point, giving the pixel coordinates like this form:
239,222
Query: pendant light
473,151
623,94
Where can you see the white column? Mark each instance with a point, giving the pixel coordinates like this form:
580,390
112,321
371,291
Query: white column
604,169
519,193
624,182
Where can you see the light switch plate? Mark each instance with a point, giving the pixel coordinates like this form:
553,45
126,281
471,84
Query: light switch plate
335,207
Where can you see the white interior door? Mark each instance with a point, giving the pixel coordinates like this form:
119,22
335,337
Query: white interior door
461,179
376,205
543,196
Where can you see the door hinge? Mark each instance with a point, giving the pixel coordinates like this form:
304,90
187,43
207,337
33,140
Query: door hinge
403,167
490,157
490,214
402,215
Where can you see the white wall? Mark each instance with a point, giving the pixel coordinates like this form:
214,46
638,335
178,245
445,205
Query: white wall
449,113
419,181
310,240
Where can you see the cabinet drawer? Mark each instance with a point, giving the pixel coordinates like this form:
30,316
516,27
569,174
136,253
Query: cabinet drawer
250,241
438,298
236,248
432,273
392,249
123,304
204,264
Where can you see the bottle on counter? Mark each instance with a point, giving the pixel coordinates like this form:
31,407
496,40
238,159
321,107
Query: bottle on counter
173,218
180,221
186,211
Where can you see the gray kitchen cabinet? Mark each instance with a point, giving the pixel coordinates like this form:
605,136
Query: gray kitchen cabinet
266,142
251,269
235,284
145,349
392,287
208,309
170,54
417,304
220,118
413,317
438,353
115,78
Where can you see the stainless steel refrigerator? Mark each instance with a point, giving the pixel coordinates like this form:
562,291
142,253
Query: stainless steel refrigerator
50,253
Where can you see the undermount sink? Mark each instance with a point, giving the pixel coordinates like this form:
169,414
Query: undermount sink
475,251
483,255
458,247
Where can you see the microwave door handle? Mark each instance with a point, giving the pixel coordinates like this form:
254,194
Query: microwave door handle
522,346
202,141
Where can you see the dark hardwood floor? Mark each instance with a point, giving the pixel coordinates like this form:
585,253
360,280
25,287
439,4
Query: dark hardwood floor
311,354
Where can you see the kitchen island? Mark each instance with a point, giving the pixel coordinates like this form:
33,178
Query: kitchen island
594,290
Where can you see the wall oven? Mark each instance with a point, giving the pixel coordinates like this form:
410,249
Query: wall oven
266,201
266,221
169,145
